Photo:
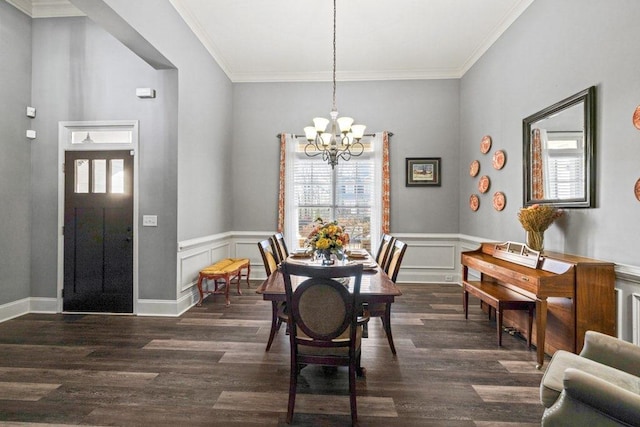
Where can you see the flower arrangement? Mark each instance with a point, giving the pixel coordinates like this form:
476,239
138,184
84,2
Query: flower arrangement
535,219
327,238
538,217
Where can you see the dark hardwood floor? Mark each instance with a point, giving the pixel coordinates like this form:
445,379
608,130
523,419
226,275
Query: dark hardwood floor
209,367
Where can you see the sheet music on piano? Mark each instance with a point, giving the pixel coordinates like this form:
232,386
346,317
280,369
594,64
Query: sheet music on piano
518,253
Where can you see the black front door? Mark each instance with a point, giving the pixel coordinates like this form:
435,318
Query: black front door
98,232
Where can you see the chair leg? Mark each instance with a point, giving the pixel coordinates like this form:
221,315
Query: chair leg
465,304
499,325
387,327
352,393
293,384
275,324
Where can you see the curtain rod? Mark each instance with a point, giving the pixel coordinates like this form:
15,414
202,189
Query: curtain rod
300,136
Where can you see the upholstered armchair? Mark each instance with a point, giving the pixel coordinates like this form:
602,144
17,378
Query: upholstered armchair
600,386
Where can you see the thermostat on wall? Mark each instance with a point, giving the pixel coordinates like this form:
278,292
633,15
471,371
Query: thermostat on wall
145,92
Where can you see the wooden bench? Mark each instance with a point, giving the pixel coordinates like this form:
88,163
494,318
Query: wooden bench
500,298
226,270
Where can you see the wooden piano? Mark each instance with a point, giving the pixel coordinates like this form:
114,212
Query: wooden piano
573,294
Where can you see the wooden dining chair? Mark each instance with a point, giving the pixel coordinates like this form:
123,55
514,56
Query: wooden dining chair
383,310
278,310
280,246
384,250
324,328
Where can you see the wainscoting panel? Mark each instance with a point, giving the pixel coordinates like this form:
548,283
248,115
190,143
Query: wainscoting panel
430,258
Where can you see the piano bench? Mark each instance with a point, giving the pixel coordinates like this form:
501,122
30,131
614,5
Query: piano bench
500,298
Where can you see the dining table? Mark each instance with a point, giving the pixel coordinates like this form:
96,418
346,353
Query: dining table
375,287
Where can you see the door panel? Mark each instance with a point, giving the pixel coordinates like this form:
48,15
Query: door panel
98,232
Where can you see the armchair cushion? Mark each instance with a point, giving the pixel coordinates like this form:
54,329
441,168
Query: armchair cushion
612,352
590,400
552,382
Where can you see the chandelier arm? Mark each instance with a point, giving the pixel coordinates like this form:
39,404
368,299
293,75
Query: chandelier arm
357,144
315,148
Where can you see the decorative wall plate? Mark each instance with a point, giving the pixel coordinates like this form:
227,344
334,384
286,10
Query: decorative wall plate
483,184
485,144
636,190
499,158
636,117
499,200
474,168
474,202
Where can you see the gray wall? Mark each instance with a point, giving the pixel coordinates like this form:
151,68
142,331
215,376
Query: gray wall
81,73
204,117
15,93
423,115
554,50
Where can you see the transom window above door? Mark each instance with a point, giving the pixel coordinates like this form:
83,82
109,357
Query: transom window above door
101,136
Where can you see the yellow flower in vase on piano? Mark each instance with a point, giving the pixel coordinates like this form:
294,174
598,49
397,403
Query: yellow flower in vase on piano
535,219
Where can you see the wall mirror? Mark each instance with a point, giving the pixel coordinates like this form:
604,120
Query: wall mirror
558,161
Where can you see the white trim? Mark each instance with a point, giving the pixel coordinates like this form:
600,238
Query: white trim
53,9
14,309
43,305
64,144
635,316
619,297
23,6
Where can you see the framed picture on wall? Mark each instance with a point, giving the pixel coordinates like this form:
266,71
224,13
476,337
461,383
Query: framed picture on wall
423,172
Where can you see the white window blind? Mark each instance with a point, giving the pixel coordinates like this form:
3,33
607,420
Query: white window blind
346,194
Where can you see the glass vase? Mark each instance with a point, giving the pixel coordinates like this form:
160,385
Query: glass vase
535,240
325,257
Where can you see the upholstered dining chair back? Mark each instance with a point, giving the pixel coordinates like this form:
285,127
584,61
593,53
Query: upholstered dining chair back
395,259
323,322
268,257
280,246
384,250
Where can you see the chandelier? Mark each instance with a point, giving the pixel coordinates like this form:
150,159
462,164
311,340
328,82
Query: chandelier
343,139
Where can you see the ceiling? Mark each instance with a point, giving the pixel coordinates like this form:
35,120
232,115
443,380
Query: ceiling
291,40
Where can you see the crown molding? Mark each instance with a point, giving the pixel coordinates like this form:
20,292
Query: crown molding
194,24
508,19
23,6
46,8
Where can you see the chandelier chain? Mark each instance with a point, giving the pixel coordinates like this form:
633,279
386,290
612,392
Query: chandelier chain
334,55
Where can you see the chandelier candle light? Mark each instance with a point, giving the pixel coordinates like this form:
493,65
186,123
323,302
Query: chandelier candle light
326,143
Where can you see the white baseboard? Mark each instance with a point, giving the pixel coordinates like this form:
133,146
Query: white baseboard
14,309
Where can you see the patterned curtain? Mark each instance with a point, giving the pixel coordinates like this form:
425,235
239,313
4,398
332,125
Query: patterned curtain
283,150
385,183
537,180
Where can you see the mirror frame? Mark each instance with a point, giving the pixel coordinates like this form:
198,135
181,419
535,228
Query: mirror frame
587,97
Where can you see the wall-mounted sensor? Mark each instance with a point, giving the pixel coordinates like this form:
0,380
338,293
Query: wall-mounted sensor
145,92
31,134
31,112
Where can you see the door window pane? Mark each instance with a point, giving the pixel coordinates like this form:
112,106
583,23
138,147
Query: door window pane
81,172
117,176
99,176
96,136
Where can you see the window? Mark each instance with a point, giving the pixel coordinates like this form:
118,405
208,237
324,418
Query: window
349,193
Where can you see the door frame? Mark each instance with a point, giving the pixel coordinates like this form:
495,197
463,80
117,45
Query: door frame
64,144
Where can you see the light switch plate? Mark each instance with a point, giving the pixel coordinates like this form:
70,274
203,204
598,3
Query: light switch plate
150,220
